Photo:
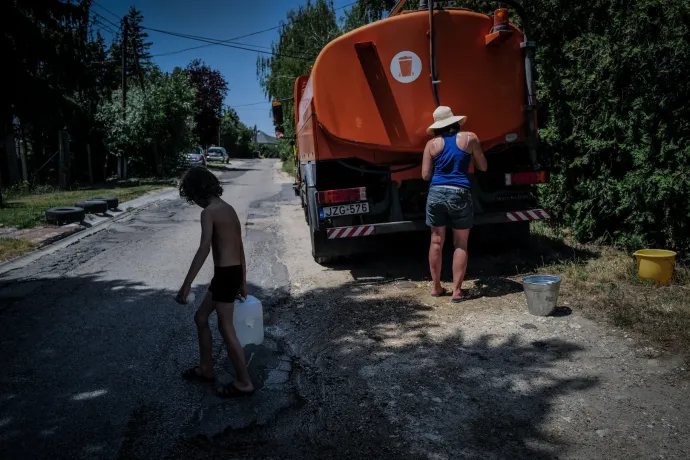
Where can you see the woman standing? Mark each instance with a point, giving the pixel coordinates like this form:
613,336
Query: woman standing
446,163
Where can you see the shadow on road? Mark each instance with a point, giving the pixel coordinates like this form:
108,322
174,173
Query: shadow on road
229,168
91,368
405,257
379,377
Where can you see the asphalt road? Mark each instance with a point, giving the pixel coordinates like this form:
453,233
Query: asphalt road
358,360
92,342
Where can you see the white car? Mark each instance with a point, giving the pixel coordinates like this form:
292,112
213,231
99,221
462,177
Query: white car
196,158
217,154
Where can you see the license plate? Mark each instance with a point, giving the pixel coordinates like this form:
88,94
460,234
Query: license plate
344,210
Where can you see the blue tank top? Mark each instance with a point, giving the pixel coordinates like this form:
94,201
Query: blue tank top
452,164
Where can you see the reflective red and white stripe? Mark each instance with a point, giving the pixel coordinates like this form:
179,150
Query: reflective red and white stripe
350,232
532,214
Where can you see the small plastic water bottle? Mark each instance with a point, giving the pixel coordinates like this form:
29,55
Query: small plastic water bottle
190,298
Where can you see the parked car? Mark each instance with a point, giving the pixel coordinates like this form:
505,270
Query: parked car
196,158
217,154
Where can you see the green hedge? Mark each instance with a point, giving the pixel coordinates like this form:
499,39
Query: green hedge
613,83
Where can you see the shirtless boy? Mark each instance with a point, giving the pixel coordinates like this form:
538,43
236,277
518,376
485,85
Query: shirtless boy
221,232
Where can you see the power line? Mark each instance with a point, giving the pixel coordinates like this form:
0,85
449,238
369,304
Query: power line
105,9
220,43
258,103
100,16
214,41
102,26
170,53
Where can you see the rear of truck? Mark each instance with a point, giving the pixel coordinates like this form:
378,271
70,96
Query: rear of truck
361,119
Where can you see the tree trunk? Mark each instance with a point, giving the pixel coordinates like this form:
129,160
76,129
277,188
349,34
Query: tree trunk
22,154
157,159
62,179
11,156
88,159
105,163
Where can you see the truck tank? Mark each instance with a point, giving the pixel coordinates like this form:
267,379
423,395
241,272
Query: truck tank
362,113
372,87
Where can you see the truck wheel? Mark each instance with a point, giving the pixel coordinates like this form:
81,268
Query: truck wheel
520,234
504,235
305,206
318,243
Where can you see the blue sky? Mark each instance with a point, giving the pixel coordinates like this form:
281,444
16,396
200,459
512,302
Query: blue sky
217,19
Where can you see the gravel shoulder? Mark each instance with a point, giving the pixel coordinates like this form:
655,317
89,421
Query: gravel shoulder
384,363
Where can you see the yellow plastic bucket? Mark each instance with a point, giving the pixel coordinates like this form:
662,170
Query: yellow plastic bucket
655,265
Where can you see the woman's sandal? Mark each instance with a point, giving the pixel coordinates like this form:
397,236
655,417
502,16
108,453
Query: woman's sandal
443,293
194,375
463,298
231,391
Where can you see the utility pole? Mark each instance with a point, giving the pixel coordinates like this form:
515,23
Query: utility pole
62,179
122,161
88,158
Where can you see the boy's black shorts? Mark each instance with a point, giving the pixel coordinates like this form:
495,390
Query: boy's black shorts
226,283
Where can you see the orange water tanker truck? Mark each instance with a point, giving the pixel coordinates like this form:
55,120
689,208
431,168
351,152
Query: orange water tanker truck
362,112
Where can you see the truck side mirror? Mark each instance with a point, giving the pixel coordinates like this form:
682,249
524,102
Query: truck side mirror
277,113
278,118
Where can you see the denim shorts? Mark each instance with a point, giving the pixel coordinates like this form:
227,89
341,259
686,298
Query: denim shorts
451,206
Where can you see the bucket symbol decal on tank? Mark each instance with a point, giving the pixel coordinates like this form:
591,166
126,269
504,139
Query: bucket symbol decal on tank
406,67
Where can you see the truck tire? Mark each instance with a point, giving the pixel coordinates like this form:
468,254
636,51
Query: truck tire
65,215
305,207
112,201
318,241
93,206
520,234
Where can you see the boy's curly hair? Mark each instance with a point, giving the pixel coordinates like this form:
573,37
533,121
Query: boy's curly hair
199,185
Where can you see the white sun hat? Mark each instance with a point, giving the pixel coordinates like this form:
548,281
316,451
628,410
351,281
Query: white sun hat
443,117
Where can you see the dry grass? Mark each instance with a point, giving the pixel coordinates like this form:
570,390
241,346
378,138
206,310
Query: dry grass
13,247
606,286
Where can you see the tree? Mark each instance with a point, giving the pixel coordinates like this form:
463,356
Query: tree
170,117
211,89
159,124
139,61
306,31
236,137
43,48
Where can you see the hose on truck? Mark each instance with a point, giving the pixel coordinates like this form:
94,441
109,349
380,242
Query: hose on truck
432,49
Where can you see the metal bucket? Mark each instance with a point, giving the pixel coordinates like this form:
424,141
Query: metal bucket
542,293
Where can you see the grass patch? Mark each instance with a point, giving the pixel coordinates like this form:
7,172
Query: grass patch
14,247
606,286
27,210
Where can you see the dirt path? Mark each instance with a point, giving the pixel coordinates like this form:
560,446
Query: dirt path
415,377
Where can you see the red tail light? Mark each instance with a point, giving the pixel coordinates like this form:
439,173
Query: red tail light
343,195
527,178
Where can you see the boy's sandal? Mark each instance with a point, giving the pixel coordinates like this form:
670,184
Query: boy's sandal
194,374
231,391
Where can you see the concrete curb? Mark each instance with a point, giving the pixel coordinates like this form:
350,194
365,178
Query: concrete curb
96,225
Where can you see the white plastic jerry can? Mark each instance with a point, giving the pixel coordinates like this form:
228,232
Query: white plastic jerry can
249,321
